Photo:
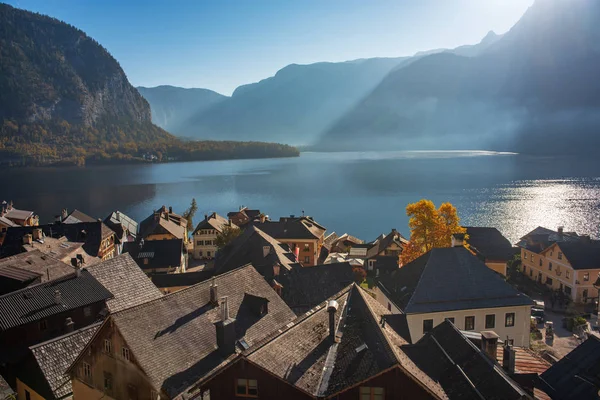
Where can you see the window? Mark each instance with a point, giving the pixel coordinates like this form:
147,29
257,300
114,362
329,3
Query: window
198,242
389,306
145,261
509,319
567,290
125,353
87,371
568,274
532,258
107,346
306,247
469,323
132,392
490,321
559,255
541,262
208,254
585,294
371,393
27,395
451,319
586,277
306,259
200,254
551,253
530,272
87,312
43,325
108,381
246,387
549,266
427,325
524,268
524,255
548,281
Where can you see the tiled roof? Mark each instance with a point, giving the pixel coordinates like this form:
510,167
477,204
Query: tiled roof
540,238
382,243
90,234
160,226
526,361
462,369
489,243
117,218
329,240
13,214
449,279
582,254
173,338
159,253
249,248
181,280
54,357
304,355
576,375
305,287
35,263
292,228
38,301
77,216
213,221
6,221
126,281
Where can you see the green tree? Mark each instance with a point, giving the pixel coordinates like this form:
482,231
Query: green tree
229,233
189,214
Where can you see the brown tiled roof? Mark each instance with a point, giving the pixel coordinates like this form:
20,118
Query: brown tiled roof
13,214
303,354
213,221
161,226
526,362
292,228
126,281
54,357
6,221
37,263
173,338
78,216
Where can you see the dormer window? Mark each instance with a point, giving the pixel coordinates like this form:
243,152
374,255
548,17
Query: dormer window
246,388
125,353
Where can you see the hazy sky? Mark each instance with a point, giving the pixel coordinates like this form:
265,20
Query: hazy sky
222,44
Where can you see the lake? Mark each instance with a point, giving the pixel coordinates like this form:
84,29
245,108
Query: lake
362,193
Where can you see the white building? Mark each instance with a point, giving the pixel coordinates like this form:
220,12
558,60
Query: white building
205,236
452,283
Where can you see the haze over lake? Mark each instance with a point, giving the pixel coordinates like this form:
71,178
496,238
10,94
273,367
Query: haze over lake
362,193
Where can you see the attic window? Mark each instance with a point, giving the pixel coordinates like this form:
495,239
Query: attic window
244,345
361,348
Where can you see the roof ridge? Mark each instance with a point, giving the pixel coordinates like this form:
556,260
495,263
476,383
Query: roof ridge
56,339
184,290
295,322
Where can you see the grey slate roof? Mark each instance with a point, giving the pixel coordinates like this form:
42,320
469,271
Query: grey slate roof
173,338
463,371
182,279
55,356
540,238
77,216
160,253
383,242
582,254
36,302
213,221
6,221
577,375
126,281
117,221
305,287
14,213
303,355
489,243
36,263
248,248
449,279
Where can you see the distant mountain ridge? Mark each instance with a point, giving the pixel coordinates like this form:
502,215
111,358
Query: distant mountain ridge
171,106
534,90
295,106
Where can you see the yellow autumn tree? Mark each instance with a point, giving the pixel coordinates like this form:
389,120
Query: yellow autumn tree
429,228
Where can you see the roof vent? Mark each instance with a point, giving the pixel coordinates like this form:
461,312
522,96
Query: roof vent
332,307
28,295
57,297
361,348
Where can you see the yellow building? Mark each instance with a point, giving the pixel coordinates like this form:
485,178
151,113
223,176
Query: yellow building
571,266
164,224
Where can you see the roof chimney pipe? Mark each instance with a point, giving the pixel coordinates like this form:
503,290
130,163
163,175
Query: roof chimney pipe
489,344
508,358
57,297
332,307
458,239
225,330
69,325
214,298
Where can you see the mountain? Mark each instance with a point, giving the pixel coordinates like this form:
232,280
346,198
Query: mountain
65,100
534,90
172,105
294,106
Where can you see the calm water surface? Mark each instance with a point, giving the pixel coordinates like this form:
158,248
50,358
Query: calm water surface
363,193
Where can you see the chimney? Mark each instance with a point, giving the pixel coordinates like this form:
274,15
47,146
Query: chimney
4,205
508,358
489,344
458,239
332,307
214,293
57,297
76,263
170,210
69,325
157,216
141,243
37,234
560,232
28,238
225,330
64,214
263,218
206,217
266,250
81,260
